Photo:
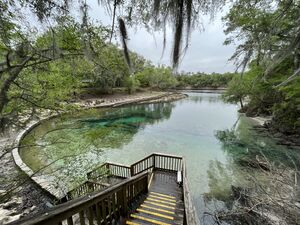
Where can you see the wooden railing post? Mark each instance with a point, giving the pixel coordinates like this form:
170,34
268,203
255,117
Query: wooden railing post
125,207
107,168
154,167
190,213
131,171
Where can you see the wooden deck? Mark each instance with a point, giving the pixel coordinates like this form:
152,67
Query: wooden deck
145,192
163,204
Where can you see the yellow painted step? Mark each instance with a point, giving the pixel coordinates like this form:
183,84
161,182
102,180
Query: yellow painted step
155,214
161,201
157,209
149,220
162,195
131,223
161,205
162,198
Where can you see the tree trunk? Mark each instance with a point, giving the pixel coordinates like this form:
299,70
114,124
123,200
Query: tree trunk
7,81
241,102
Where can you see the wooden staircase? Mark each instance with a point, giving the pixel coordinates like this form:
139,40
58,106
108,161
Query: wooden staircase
146,192
158,208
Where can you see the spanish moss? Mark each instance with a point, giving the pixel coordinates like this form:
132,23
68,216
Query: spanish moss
124,38
178,34
181,15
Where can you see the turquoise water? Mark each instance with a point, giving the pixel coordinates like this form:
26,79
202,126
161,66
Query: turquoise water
192,127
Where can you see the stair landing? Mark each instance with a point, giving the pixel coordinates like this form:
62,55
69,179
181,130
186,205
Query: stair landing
163,205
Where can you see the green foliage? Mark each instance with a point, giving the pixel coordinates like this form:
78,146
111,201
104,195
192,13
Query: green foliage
49,86
62,58
201,80
264,98
269,45
157,77
237,90
265,29
131,83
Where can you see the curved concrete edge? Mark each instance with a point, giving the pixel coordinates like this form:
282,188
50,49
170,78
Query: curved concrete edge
46,182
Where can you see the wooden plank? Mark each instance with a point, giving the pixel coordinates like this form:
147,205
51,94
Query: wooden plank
90,216
70,221
104,214
81,218
191,216
153,221
68,209
157,209
109,207
98,214
155,214
168,155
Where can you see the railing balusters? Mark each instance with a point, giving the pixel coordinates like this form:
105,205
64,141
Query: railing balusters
109,207
98,214
104,214
90,216
125,206
70,221
113,202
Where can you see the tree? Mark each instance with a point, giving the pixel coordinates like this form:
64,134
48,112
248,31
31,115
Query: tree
269,32
237,91
20,52
157,77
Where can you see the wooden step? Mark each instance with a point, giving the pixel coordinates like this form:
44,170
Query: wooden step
159,204
161,201
162,195
157,209
150,220
162,198
132,223
156,214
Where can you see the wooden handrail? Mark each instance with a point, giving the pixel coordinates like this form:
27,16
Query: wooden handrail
190,213
167,155
104,206
114,169
153,161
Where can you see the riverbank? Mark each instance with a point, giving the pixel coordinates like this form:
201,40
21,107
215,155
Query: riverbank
264,125
18,194
122,99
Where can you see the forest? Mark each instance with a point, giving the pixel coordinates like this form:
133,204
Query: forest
55,59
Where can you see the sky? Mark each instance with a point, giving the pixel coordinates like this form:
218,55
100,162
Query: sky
206,52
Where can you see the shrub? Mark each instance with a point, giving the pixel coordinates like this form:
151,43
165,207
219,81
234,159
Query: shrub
131,83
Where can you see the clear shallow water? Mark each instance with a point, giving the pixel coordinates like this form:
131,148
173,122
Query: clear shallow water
74,144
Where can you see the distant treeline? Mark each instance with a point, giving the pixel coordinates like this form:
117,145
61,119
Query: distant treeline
201,80
163,78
